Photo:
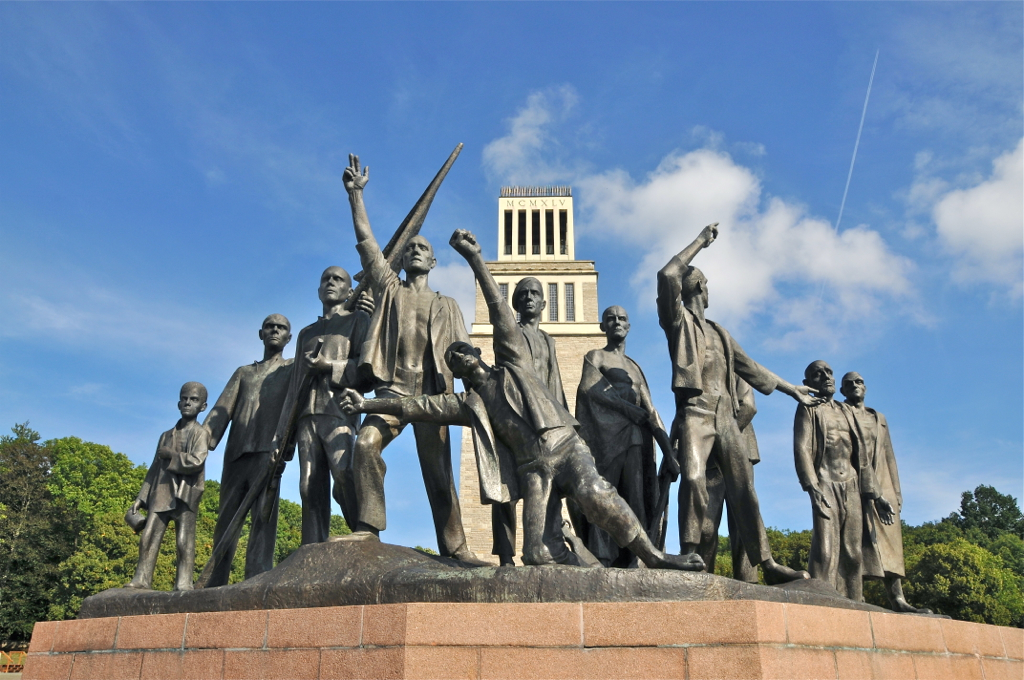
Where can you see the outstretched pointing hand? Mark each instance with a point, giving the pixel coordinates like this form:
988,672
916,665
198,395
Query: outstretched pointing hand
464,243
708,234
353,179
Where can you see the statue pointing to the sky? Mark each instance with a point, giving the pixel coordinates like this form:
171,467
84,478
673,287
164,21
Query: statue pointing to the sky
705,361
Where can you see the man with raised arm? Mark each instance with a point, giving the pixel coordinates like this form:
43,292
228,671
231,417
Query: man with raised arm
528,301
404,357
526,441
883,542
705,361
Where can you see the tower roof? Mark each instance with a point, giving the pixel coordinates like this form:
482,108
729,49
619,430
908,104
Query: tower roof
535,192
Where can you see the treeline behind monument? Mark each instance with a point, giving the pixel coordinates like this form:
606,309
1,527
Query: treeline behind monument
63,537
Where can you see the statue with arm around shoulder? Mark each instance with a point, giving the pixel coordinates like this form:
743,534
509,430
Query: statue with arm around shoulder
526,442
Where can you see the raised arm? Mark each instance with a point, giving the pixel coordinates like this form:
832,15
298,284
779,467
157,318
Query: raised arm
678,264
355,180
508,338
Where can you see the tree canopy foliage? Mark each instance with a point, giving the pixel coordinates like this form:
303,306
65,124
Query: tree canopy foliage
63,536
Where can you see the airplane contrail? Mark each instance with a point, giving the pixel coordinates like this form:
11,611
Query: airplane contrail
853,160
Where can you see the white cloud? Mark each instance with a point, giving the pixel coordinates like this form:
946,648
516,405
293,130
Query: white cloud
524,154
772,260
983,225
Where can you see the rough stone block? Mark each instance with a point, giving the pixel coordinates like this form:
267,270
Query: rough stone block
112,666
525,663
315,627
158,631
197,664
933,666
971,638
554,624
47,666
964,667
43,634
86,634
272,664
226,630
907,633
794,663
620,663
360,664
616,624
1013,642
384,625
442,663
1002,669
810,626
723,662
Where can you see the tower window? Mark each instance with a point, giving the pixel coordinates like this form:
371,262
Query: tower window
570,302
552,298
508,232
503,287
535,223
563,232
549,229
522,232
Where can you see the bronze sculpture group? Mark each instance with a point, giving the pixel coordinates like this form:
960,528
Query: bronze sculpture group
408,345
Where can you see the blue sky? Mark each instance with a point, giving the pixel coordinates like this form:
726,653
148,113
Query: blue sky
171,173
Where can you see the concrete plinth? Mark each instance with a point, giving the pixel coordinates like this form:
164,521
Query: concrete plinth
739,639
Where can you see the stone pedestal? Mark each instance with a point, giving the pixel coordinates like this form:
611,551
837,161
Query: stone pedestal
715,639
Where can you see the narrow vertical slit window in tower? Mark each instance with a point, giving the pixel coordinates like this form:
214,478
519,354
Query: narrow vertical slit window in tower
535,215
570,302
549,229
563,231
503,287
552,301
522,232
508,232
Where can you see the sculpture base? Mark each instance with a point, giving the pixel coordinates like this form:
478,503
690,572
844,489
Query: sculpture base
339,573
737,639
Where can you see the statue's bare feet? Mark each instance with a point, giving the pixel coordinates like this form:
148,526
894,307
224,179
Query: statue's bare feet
137,586
775,573
904,607
684,562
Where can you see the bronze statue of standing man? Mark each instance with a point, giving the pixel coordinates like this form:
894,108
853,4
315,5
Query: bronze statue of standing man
403,356
705,362
883,543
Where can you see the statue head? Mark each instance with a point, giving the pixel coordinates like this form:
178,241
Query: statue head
276,331
192,400
462,358
853,388
335,286
694,286
818,376
615,323
528,298
418,256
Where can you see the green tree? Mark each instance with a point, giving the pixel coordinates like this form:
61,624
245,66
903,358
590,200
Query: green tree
96,485
791,548
990,512
34,533
965,581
